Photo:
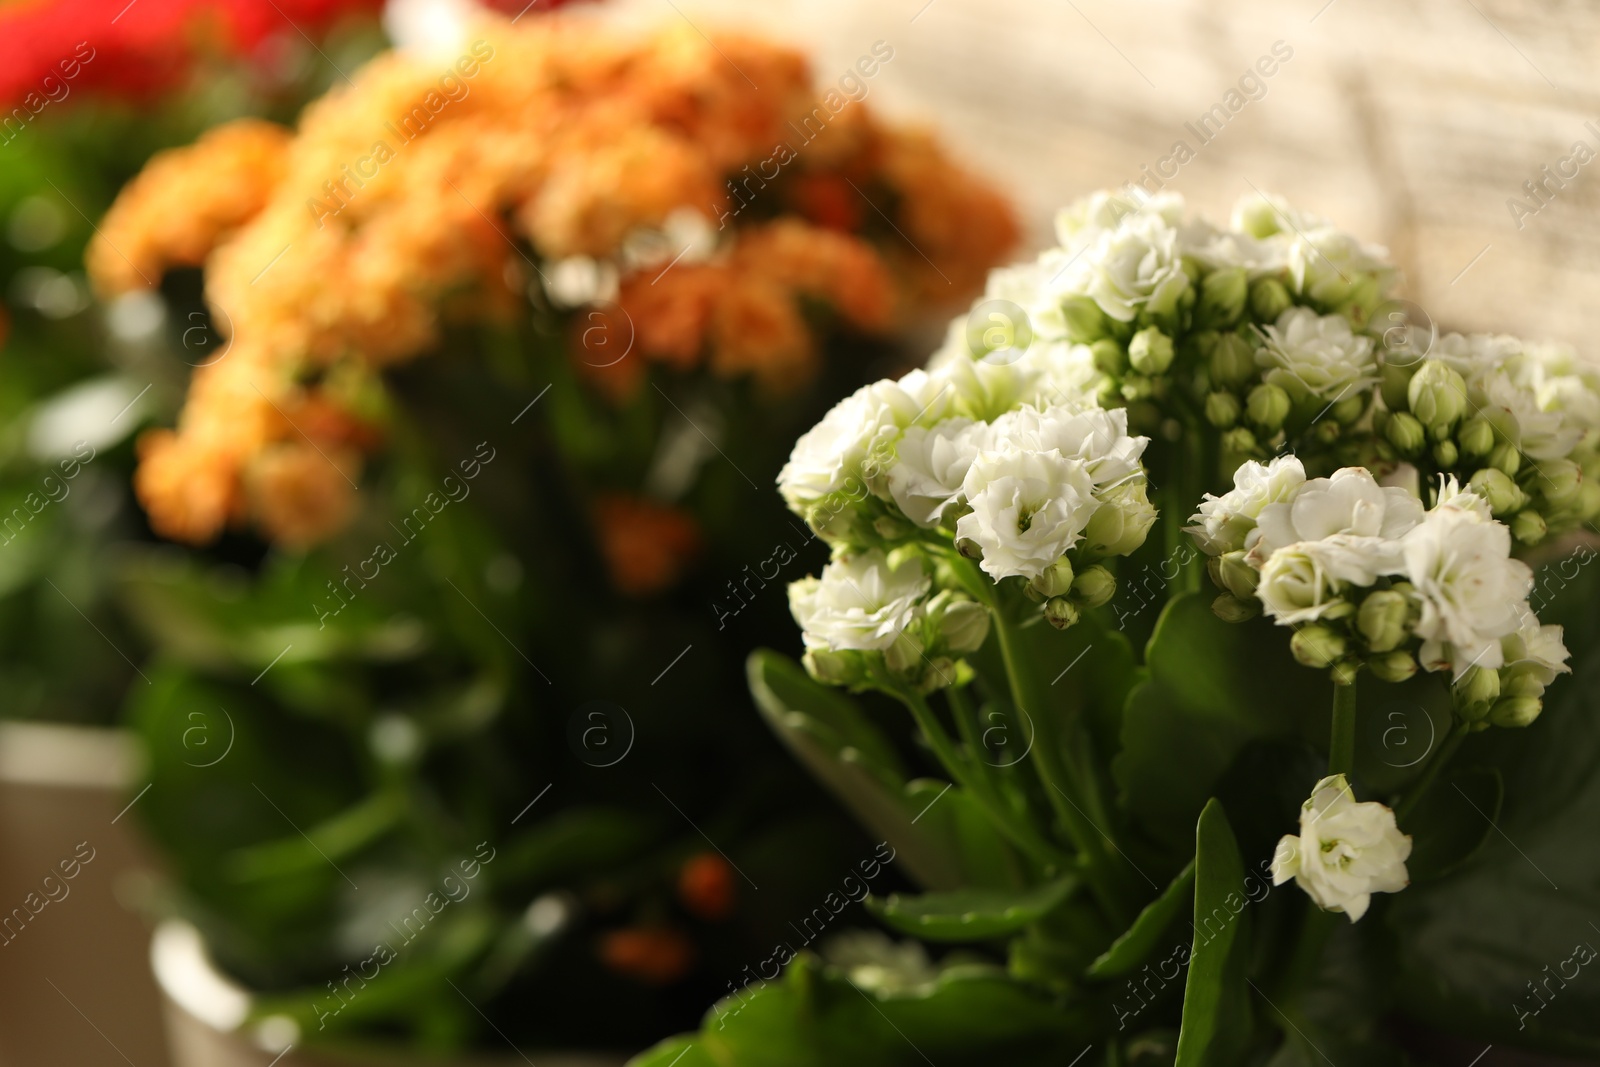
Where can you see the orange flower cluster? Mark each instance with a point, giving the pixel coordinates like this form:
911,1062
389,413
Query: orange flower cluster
420,193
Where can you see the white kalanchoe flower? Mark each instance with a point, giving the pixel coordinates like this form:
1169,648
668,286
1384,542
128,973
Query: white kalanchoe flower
930,465
1318,354
1536,649
1028,510
1097,438
1345,852
1456,497
1225,523
829,457
1302,583
859,603
1351,502
1468,586
1134,268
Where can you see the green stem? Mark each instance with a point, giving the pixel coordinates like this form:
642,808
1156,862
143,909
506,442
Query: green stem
1023,836
1409,802
1086,836
1342,739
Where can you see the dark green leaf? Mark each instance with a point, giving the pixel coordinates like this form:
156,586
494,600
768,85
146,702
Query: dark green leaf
815,1016
1453,821
970,914
1216,999
1140,939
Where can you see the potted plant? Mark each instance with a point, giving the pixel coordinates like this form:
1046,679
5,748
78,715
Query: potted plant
437,722
1230,602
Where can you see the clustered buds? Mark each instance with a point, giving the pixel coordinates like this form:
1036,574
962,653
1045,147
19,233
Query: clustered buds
1518,423
1370,580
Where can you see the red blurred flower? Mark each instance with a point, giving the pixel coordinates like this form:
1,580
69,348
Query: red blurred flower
52,48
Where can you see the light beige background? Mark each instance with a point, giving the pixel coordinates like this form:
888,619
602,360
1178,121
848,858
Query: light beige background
1410,122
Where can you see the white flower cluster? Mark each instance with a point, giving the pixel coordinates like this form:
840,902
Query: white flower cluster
1520,422
991,459
1371,578
1345,851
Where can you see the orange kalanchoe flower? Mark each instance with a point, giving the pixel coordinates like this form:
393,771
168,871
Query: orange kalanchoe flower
407,197
706,886
646,546
199,194
654,955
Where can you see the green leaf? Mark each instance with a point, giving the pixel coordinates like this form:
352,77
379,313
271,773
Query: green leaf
1213,688
1470,943
816,1016
848,755
970,914
1453,821
1140,939
1216,1002
954,818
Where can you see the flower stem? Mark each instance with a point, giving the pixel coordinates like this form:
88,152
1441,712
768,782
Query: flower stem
1022,835
1409,802
1053,770
1342,738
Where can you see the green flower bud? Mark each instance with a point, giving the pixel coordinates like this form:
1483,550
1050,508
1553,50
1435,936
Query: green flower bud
1476,438
1107,391
1326,432
1393,382
846,668
1269,299
1382,619
1476,689
1094,587
1109,358
969,548
906,656
960,623
1204,342
1086,323
1558,479
1405,433
1222,410
1506,457
1350,409
1232,609
1268,405
1317,645
954,514
890,528
1521,681
1344,672
1239,441
1445,454
1235,575
1588,503
1499,490
1393,666
1061,612
1056,579
1136,388
1437,394
1528,526
1232,361
1515,711
1341,609
1150,351
1222,296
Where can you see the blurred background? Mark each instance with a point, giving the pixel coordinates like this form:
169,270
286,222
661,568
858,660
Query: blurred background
1459,134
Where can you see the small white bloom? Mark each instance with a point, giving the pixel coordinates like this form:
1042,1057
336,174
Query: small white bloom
1346,851
860,431
1539,648
1469,588
1318,354
980,389
930,465
1351,502
1064,373
1122,521
1028,509
1224,522
1094,436
1092,215
1298,585
1454,496
859,602
580,280
1135,267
